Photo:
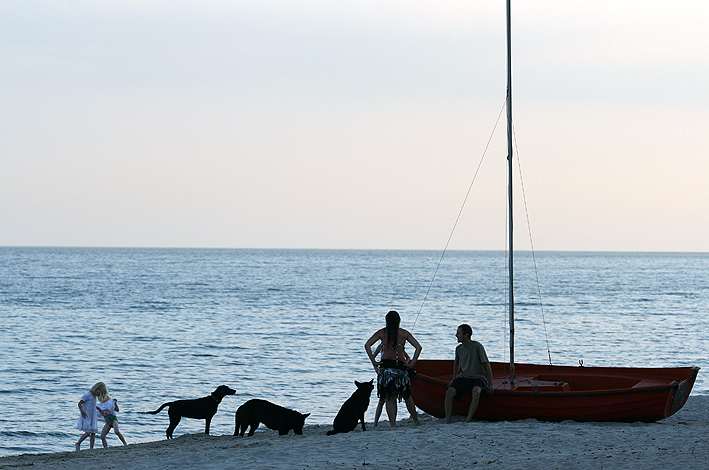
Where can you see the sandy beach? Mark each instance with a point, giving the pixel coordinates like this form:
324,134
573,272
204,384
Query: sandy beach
677,442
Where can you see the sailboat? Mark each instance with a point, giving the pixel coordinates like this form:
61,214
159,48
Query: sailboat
549,392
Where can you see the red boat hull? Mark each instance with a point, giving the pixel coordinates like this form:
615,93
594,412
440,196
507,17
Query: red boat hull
558,393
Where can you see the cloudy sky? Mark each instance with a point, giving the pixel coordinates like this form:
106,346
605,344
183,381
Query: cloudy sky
353,124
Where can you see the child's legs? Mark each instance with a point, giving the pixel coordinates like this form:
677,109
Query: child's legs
92,440
104,433
118,433
81,439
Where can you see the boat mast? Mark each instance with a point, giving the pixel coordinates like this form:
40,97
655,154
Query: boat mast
509,194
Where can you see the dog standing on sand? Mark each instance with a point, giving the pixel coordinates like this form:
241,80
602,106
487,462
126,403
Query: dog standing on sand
254,412
200,408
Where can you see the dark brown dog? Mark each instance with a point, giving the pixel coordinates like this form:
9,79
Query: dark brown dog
254,412
200,408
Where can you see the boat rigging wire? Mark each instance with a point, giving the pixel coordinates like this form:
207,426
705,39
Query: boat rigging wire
457,219
529,231
531,244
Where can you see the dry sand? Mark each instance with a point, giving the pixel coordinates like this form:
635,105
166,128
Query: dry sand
677,442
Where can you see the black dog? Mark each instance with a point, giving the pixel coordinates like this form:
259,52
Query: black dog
200,408
275,417
352,411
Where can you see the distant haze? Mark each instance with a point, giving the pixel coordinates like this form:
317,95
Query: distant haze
353,124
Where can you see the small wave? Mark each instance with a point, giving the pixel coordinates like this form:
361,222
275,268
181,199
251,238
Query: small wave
334,302
224,348
146,338
33,434
153,306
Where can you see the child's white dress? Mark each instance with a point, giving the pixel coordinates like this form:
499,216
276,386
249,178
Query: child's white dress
108,410
108,407
89,423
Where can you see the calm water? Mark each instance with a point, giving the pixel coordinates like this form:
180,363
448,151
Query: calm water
289,326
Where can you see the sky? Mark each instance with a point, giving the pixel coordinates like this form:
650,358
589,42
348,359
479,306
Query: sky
354,124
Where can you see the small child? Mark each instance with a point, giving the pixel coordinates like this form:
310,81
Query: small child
108,410
87,407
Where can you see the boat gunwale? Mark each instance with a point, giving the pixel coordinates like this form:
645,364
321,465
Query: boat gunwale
657,386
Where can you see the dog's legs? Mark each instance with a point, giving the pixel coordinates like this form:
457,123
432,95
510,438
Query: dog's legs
174,421
237,424
253,425
362,419
206,425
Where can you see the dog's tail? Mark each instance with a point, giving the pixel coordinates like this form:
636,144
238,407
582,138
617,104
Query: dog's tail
159,409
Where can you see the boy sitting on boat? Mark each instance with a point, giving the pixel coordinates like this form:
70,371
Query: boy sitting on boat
471,371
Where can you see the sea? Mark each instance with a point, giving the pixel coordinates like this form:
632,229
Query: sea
289,326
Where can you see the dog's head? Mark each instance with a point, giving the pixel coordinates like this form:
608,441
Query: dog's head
222,391
299,422
365,387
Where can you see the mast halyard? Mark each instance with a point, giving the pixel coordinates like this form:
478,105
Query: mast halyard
509,195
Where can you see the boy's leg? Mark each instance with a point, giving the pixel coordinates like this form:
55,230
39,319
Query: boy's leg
448,404
473,403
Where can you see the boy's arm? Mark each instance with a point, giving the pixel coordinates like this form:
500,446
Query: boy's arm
488,374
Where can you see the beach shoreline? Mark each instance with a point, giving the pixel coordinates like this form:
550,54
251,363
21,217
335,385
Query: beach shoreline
678,441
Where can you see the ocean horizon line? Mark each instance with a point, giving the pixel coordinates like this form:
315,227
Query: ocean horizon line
388,250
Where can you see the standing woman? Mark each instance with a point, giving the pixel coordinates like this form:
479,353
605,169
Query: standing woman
393,370
87,407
